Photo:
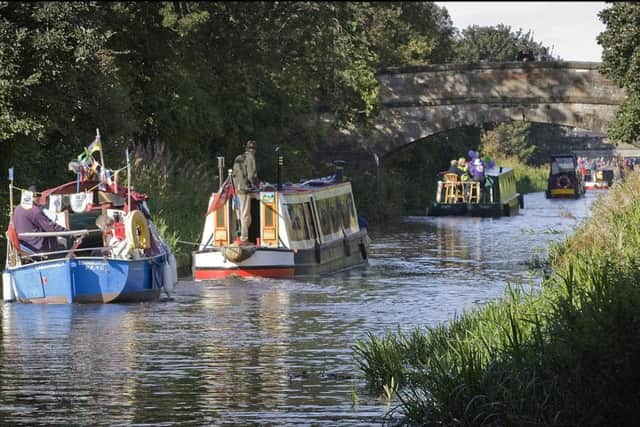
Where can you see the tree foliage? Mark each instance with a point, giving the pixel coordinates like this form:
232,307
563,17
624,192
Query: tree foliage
621,63
495,43
200,77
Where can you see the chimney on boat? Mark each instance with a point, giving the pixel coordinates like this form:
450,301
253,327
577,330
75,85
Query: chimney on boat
279,164
339,164
221,170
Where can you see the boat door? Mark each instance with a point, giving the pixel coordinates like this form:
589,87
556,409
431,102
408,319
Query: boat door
269,219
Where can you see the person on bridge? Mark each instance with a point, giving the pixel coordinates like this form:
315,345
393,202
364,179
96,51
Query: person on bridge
245,179
28,217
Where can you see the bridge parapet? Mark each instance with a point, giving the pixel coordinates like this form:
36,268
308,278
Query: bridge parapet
574,82
422,100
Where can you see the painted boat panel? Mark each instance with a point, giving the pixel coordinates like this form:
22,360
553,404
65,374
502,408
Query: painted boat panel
88,280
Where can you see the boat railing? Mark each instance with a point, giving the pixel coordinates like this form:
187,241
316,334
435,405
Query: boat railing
66,233
66,251
75,233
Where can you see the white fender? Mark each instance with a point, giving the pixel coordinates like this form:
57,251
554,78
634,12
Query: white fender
168,274
7,288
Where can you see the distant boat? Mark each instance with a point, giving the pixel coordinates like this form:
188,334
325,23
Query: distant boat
600,179
565,179
298,229
497,197
111,253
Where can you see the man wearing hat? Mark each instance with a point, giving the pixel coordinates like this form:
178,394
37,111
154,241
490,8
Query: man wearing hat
28,217
245,178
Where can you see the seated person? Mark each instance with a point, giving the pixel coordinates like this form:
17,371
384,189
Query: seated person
453,168
28,217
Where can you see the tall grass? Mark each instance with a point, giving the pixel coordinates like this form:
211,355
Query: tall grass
529,179
561,355
179,191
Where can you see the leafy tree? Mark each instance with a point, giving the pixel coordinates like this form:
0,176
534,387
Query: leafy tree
58,84
495,43
621,63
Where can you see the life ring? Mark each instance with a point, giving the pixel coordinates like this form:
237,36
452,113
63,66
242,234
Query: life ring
137,230
563,182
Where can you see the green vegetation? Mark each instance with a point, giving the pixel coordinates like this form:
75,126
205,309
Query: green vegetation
620,63
564,354
499,43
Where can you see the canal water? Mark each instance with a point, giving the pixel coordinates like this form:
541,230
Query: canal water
265,352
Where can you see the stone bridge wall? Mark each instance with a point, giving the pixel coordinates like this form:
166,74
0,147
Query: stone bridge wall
419,101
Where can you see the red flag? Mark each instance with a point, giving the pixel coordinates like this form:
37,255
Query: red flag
227,190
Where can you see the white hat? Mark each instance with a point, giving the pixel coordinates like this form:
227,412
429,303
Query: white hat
26,200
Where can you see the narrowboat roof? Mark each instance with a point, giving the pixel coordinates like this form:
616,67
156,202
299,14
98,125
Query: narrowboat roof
498,170
307,186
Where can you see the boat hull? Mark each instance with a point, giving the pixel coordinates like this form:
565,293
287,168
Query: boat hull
510,208
596,186
87,280
283,262
563,193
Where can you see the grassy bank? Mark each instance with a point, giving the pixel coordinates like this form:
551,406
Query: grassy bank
562,354
529,179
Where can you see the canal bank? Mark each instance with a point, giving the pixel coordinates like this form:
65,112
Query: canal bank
562,354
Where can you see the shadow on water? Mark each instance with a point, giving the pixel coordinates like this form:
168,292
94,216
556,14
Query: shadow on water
259,351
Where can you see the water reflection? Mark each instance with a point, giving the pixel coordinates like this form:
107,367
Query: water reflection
263,352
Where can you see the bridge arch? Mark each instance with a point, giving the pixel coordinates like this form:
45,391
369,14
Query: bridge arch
420,101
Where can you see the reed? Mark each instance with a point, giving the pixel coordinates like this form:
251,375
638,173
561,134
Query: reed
564,353
178,192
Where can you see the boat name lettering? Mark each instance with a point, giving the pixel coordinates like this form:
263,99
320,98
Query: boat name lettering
45,267
94,266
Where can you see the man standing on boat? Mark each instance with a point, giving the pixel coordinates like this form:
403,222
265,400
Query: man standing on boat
28,217
245,178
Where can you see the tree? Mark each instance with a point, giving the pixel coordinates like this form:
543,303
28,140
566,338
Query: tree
498,44
621,63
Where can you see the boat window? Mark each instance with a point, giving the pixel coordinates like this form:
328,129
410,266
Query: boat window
562,164
220,217
336,214
311,228
268,216
296,226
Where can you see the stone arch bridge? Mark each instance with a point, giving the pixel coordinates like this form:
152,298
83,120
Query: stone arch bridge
419,101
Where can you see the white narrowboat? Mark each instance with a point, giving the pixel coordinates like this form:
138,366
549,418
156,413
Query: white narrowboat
297,229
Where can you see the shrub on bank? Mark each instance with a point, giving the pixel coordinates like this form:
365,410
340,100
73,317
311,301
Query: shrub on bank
563,354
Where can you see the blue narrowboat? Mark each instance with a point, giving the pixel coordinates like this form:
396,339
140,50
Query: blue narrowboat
109,252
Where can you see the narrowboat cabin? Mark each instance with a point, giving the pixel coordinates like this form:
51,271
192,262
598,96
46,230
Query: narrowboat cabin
495,198
297,229
565,179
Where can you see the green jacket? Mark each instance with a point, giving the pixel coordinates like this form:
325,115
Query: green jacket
245,174
464,173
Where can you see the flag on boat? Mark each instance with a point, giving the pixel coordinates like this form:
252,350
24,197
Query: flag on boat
226,190
96,145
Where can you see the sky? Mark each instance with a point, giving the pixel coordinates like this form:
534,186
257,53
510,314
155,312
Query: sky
570,28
